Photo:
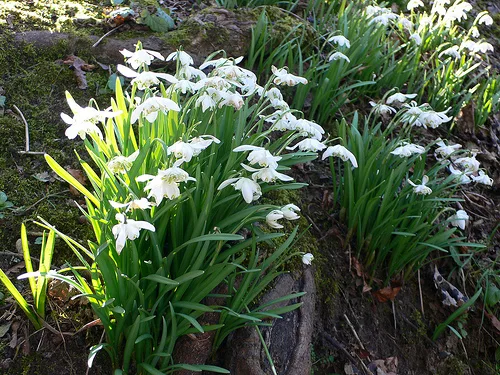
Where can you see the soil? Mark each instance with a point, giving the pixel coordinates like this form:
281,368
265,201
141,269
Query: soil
352,333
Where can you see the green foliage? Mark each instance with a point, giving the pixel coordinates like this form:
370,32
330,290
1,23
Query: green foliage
151,288
395,228
5,204
35,312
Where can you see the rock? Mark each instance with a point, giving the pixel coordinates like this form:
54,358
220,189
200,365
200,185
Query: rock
288,339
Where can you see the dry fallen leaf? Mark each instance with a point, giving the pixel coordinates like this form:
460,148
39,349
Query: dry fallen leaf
79,176
80,67
387,293
494,321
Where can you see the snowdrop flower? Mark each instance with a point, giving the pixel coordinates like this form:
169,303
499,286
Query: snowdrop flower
474,32
309,144
259,155
273,217
140,57
416,38
340,152
412,4
446,150
340,40
468,44
307,259
128,229
383,19
183,85
433,119
202,142
422,188
184,58
483,47
181,150
308,128
285,78
407,150
337,56
382,109
412,113
275,97
399,98
290,211
189,72
165,183
137,204
485,19
406,23
232,99
221,62
145,80
461,176
459,219
151,106
470,163
452,51
267,174
206,100
121,164
250,189
84,119
456,12
217,83
282,120
483,178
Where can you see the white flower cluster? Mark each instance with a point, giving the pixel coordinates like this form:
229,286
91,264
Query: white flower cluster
342,42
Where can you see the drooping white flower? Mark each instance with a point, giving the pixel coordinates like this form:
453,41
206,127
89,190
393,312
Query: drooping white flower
232,99
485,19
275,97
382,109
338,56
128,229
422,188
412,4
470,163
140,57
446,150
185,151
145,80
221,62
459,220
84,119
206,101
340,40
482,178
307,259
190,72
399,98
405,23
183,85
136,204
412,113
217,83
183,57
273,217
250,189
308,144
121,164
308,128
340,152
285,78
282,120
151,106
165,183
384,18
461,176
267,174
290,211
433,119
416,38
408,149
259,155
452,51
484,47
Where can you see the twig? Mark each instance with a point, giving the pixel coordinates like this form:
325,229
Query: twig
26,128
17,255
356,335
420,291
342,348
27,133
41,199
394,316
105,35
313,223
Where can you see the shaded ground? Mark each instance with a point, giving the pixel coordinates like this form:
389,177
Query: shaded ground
351,328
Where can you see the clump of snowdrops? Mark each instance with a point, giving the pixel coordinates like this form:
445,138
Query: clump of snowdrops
398,199
178,164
